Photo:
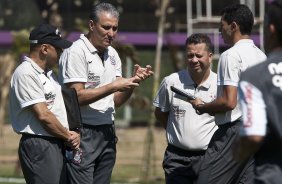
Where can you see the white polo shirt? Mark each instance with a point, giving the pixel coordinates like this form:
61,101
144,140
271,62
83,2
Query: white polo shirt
29,86
185,128
81,63
254,110
231,63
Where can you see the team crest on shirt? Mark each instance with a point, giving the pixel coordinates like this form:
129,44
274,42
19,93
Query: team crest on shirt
178,112
112,60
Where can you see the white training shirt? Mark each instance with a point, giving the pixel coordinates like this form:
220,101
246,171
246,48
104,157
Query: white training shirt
81,63
185,128
231,63
29,86
254,110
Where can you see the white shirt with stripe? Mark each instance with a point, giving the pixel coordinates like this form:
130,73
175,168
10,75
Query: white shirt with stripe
29,86
232,62
185,128
81,63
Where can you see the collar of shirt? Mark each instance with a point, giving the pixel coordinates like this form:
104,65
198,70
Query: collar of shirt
206,84
36,67
89,45
244,41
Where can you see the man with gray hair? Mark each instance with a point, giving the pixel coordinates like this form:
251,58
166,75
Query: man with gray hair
93,67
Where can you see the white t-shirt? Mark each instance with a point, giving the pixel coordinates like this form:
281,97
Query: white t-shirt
81,63
231,63
29,86
185,128
254,110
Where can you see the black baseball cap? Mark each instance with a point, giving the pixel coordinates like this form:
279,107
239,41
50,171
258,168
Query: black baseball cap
48,34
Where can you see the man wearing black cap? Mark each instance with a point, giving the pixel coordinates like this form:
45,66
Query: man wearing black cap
261,99
37,109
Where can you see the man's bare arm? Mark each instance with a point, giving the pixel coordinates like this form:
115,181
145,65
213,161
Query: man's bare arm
49,121
52,125
224,103
161,117
88,96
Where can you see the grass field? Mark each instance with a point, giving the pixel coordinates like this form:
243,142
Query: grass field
130,155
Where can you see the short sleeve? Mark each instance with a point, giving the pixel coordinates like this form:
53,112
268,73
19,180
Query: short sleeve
73,66
28,90
253,109
162,98
228,70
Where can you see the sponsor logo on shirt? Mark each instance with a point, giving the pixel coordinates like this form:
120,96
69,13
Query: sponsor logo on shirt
93,80
178,112
249,99
276,70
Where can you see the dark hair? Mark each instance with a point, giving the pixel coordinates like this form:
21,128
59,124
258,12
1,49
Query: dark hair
240,14
103,7
273,16
198,38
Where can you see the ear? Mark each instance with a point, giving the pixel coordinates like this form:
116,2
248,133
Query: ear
91,25
44,48
210,57
234,26
272,28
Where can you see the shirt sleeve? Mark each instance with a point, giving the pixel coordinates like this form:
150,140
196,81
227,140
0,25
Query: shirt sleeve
162,98
228,70
29,90
73,66
253,109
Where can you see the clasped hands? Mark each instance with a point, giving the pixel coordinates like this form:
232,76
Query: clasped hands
139,74
73,140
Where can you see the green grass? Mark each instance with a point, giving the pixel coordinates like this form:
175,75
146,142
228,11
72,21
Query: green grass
133,173
9,170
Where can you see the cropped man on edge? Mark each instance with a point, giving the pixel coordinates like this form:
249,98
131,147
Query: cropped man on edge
37,110
261,99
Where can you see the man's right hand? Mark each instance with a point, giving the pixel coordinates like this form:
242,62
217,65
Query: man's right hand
74,140
123,84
